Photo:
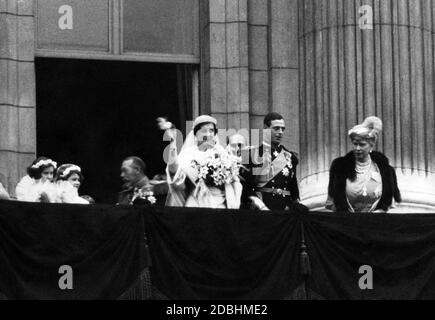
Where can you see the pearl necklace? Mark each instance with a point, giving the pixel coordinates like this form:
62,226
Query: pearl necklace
363,169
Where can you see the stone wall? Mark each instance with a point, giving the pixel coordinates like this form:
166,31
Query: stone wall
249,63
17,90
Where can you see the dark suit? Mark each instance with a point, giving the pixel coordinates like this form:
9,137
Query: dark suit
271,176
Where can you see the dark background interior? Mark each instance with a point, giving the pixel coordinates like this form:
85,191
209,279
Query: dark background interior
95,113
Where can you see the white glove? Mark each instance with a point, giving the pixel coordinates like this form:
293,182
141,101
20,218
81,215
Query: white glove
258,203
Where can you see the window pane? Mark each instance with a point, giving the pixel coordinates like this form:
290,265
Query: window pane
73,24
161,26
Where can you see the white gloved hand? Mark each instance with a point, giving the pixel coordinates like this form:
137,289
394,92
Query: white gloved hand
258,204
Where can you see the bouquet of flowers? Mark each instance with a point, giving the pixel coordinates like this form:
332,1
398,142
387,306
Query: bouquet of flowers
217,168
141,196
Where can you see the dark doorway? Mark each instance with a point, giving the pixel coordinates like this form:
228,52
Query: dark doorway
96,113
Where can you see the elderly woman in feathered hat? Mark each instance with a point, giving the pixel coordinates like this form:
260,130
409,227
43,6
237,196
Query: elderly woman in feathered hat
363,180
204,173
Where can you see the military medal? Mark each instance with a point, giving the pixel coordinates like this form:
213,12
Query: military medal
285,171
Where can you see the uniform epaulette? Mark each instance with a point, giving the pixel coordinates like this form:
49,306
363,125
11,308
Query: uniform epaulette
284,148
295,154
292,152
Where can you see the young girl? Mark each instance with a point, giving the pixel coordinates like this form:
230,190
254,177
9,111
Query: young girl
37,185
68,180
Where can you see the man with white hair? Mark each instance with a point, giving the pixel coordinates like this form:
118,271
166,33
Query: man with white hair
136,184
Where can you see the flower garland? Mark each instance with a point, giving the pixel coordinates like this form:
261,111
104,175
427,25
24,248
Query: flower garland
69,169
44,163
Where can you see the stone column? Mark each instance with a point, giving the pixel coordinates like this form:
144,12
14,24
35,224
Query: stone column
259,69
17,90
348,73
274,64
249,63
224,62
284,67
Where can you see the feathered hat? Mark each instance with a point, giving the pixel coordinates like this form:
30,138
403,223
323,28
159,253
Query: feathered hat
369,129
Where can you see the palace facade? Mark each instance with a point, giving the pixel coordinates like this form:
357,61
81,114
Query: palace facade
323,64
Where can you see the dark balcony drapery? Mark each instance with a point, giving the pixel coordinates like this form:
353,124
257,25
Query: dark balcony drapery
211,254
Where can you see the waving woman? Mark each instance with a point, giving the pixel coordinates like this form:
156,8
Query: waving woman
204,174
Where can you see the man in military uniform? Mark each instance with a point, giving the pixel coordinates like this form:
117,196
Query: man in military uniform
137,188
269,179
133,175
